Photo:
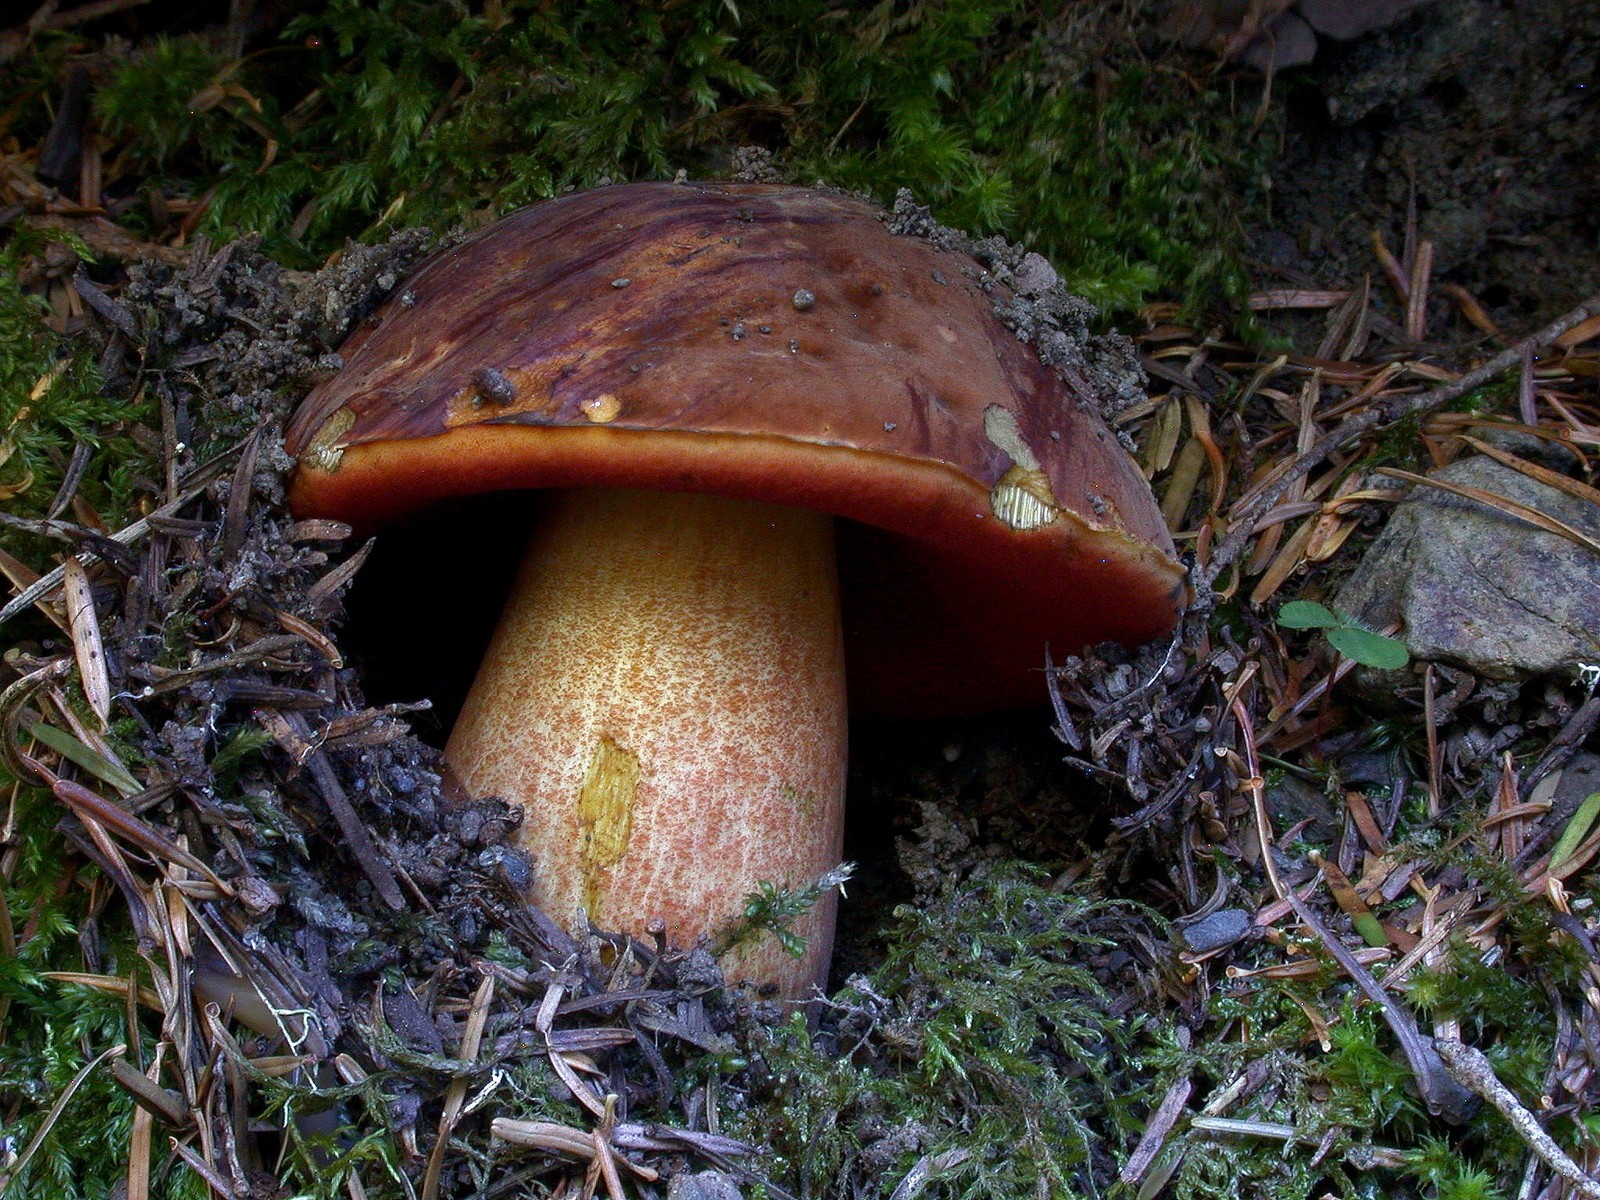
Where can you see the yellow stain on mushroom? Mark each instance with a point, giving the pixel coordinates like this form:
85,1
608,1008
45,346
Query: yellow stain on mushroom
803,799
1022,498
325,451
605,814
601,409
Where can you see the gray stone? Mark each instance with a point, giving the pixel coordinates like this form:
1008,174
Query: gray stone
1476,588
1346,19
1567,788
1546,452
1291,801
705,1185
1216,930
1035,275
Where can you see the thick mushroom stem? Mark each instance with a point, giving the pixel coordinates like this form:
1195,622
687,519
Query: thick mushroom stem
664,697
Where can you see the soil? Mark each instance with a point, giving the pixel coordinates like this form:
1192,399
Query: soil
1484,114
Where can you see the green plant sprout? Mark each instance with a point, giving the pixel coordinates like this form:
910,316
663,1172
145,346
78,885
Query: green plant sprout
1346,635
772,909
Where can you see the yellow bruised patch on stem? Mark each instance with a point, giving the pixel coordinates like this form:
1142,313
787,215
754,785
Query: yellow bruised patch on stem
605,814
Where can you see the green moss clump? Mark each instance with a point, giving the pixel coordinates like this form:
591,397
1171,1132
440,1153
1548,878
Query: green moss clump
984,1054
51,400
1004,117
49,1030
161,103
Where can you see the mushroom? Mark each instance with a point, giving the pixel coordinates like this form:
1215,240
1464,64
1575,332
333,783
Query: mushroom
756,407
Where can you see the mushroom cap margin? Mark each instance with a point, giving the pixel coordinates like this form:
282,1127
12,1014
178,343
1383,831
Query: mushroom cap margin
776,344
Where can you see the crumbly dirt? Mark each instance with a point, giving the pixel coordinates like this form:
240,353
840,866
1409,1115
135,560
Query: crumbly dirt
1037,307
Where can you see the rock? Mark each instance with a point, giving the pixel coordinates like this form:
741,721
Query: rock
1558,456
1567,788
1291,801
1285,41
1346,19
706,1185
1271,35
1221,928
1476,588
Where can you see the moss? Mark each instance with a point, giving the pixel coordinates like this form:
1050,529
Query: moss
51,400
1440,1167
57,915
985,1054
49,1030
984,1058
1004,117
154,102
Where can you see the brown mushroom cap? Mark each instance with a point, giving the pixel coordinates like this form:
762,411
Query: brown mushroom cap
774,344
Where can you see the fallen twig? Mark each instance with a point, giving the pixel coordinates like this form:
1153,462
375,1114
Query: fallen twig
1472,1070
1445,1097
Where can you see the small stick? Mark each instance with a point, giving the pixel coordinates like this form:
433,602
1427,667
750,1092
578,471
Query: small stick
1527,398
1258,798
87,645
97,812
1391,268
1417,301
455,1096
358,839
127,536
70,479
1431,730
1157,1128
1443,1094
45,17
1471,1069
